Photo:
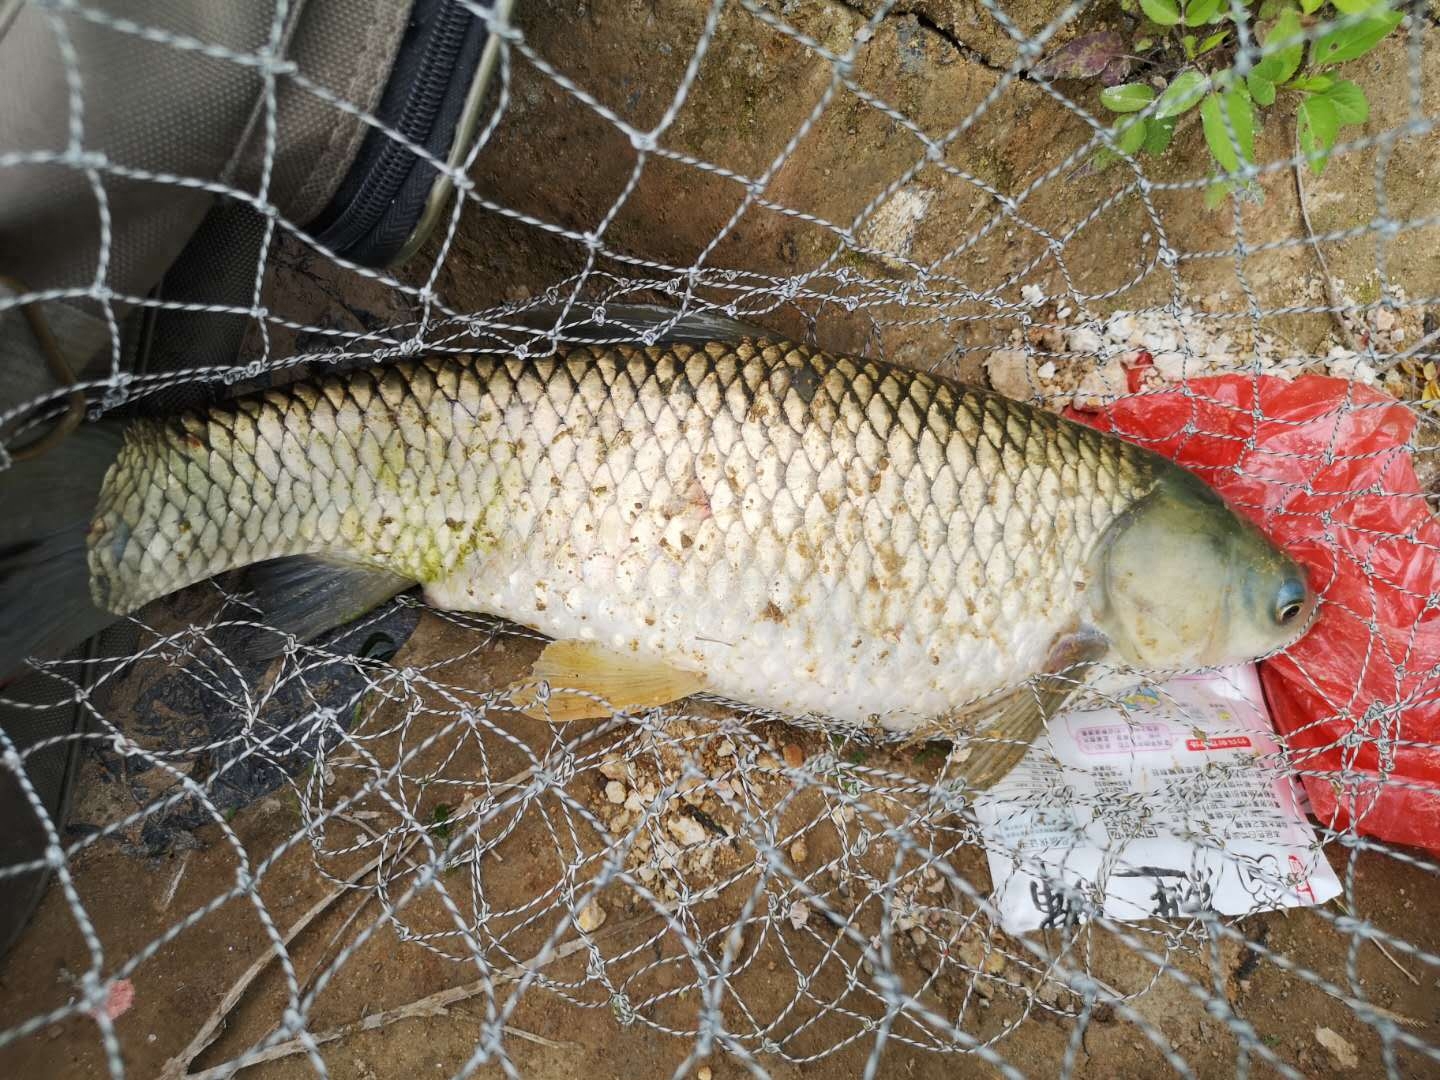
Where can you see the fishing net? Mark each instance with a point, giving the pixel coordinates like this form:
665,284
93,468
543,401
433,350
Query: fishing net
360,860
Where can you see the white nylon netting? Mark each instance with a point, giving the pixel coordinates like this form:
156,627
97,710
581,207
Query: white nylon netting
357,861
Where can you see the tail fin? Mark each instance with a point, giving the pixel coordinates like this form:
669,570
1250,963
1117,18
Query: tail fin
45,509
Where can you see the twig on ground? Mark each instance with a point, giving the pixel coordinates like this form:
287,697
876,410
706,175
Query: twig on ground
530,1036
162,903
175,1068
1332,298
435,1004
1383,951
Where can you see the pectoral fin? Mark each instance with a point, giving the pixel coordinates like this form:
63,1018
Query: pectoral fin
306,595
1004,732
620,680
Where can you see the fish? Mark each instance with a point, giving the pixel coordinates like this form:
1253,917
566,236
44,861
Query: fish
718,510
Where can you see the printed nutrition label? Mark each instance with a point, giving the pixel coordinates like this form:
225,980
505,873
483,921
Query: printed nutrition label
1168,802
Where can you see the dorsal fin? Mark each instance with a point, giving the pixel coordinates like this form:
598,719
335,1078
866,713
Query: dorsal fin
636,324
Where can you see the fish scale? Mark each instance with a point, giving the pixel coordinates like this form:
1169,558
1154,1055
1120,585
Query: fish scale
814,533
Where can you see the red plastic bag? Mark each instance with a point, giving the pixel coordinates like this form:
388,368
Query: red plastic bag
1322,465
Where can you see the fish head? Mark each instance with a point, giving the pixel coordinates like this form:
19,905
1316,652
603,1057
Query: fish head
1186,582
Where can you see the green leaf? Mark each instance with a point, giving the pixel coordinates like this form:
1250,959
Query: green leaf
1351,105
1141,44
1242,119
1261,89
1358,7
1130,139
1200,12
1129,97
440,822
1182,95
1213,42
1102,159
1280,61
1318,125
1313,84
1158,134
1164,12
1188,41
1216,192
1351,42
1310,6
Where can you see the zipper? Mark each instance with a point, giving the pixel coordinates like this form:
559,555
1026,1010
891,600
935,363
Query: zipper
395,162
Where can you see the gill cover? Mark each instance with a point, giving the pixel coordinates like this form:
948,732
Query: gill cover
1186,582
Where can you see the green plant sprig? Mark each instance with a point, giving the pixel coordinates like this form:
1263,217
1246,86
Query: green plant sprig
1196,35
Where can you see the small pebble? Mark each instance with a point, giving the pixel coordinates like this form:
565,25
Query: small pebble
686,830
1338,1046
591,917
612,768
799,914
1085,339
1009,371
615,792
703,1073
799,852
1170,364
794,756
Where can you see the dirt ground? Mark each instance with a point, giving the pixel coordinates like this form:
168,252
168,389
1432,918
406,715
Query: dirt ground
138,890
563,164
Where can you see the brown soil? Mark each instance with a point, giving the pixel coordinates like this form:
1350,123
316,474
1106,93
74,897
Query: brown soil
991,986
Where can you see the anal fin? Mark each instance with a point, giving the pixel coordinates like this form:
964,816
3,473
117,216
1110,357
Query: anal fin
621,680
306,595
1004,732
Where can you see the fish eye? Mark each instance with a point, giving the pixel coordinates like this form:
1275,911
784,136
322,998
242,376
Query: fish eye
1290,603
